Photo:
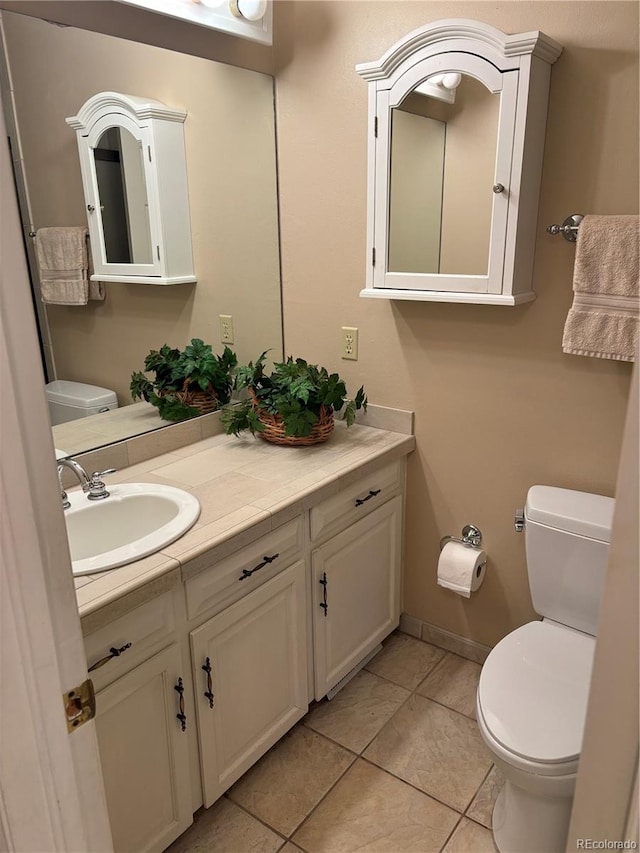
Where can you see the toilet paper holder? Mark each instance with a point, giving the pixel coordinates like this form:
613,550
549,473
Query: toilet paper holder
471,536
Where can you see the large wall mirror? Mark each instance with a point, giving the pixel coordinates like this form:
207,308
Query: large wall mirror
229,138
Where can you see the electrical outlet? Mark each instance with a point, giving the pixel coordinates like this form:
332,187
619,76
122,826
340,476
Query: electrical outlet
350,342
226,328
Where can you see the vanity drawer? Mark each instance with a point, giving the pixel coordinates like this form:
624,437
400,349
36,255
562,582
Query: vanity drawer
139,634
355,500
234,576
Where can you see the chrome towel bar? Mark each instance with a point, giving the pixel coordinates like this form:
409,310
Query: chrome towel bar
569,228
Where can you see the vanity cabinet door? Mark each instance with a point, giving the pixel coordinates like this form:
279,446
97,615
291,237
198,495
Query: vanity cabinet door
144,755
250,677
356,593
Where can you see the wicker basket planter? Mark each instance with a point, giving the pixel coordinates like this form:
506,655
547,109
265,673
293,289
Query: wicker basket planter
275,433
204,401
294,405
187,383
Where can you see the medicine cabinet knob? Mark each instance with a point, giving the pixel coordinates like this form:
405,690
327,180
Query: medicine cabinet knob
498,188
90,208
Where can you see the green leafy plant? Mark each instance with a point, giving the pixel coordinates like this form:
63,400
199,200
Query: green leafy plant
183,379
295,391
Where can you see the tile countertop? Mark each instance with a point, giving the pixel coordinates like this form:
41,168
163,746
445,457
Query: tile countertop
246,487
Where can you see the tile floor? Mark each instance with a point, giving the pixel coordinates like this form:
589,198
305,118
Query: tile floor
393,764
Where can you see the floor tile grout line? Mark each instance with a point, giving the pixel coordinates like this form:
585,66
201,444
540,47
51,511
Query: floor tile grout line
448,707
356,755
368,744
330,739
427,673
452,833
477,792
477,823
322,799
415,787
434,668
361,754
255,817
443,648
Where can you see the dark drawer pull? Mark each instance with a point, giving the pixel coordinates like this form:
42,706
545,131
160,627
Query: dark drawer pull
246,573
323,584
179,688
209,691
113,653
372,494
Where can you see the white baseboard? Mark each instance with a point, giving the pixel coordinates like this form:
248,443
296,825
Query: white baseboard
444,639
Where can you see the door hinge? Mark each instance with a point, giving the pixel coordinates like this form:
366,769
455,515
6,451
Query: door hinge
79,705
158,251
373,257
375,127
149,152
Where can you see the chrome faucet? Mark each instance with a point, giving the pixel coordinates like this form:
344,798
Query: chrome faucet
93,486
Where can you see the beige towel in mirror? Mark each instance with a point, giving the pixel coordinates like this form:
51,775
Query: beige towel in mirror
64,263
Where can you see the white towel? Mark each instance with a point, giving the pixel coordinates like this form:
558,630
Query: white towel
64,262
603,319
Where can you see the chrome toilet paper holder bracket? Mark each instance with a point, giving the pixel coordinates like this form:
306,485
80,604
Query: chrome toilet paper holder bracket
471,536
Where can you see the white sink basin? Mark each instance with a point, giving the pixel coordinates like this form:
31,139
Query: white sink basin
137,519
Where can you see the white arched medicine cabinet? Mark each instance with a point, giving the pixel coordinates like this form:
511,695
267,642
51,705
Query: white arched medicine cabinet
457,117
134,175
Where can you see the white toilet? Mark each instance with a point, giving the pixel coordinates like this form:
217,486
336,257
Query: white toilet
534,686
71,400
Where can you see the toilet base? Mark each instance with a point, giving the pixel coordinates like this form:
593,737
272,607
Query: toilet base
524,822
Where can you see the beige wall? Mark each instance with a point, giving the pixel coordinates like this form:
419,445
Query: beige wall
498,406
230,151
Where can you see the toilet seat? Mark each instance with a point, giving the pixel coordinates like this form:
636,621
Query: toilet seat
532,697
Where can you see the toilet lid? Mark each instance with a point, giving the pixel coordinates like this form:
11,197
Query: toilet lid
534,688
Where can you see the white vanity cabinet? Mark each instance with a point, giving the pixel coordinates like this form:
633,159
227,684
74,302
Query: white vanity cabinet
143,747
234,651
144,755
356,573
250,677
250,658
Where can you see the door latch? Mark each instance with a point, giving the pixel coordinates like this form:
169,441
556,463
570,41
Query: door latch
79,705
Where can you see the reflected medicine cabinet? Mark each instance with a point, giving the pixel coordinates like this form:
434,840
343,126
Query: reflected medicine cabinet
134,175
457,116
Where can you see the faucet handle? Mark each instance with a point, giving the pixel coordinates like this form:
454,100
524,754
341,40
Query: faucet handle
95,488
97,475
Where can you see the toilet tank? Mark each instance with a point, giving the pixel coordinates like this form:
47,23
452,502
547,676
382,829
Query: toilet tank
567,536
71,400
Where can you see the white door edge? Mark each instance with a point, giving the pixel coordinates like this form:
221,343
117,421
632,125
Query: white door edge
51,793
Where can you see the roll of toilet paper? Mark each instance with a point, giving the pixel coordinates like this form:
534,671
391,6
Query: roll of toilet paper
461,568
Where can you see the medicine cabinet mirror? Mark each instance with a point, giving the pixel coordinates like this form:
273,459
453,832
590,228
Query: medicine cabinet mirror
457,121
135,185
